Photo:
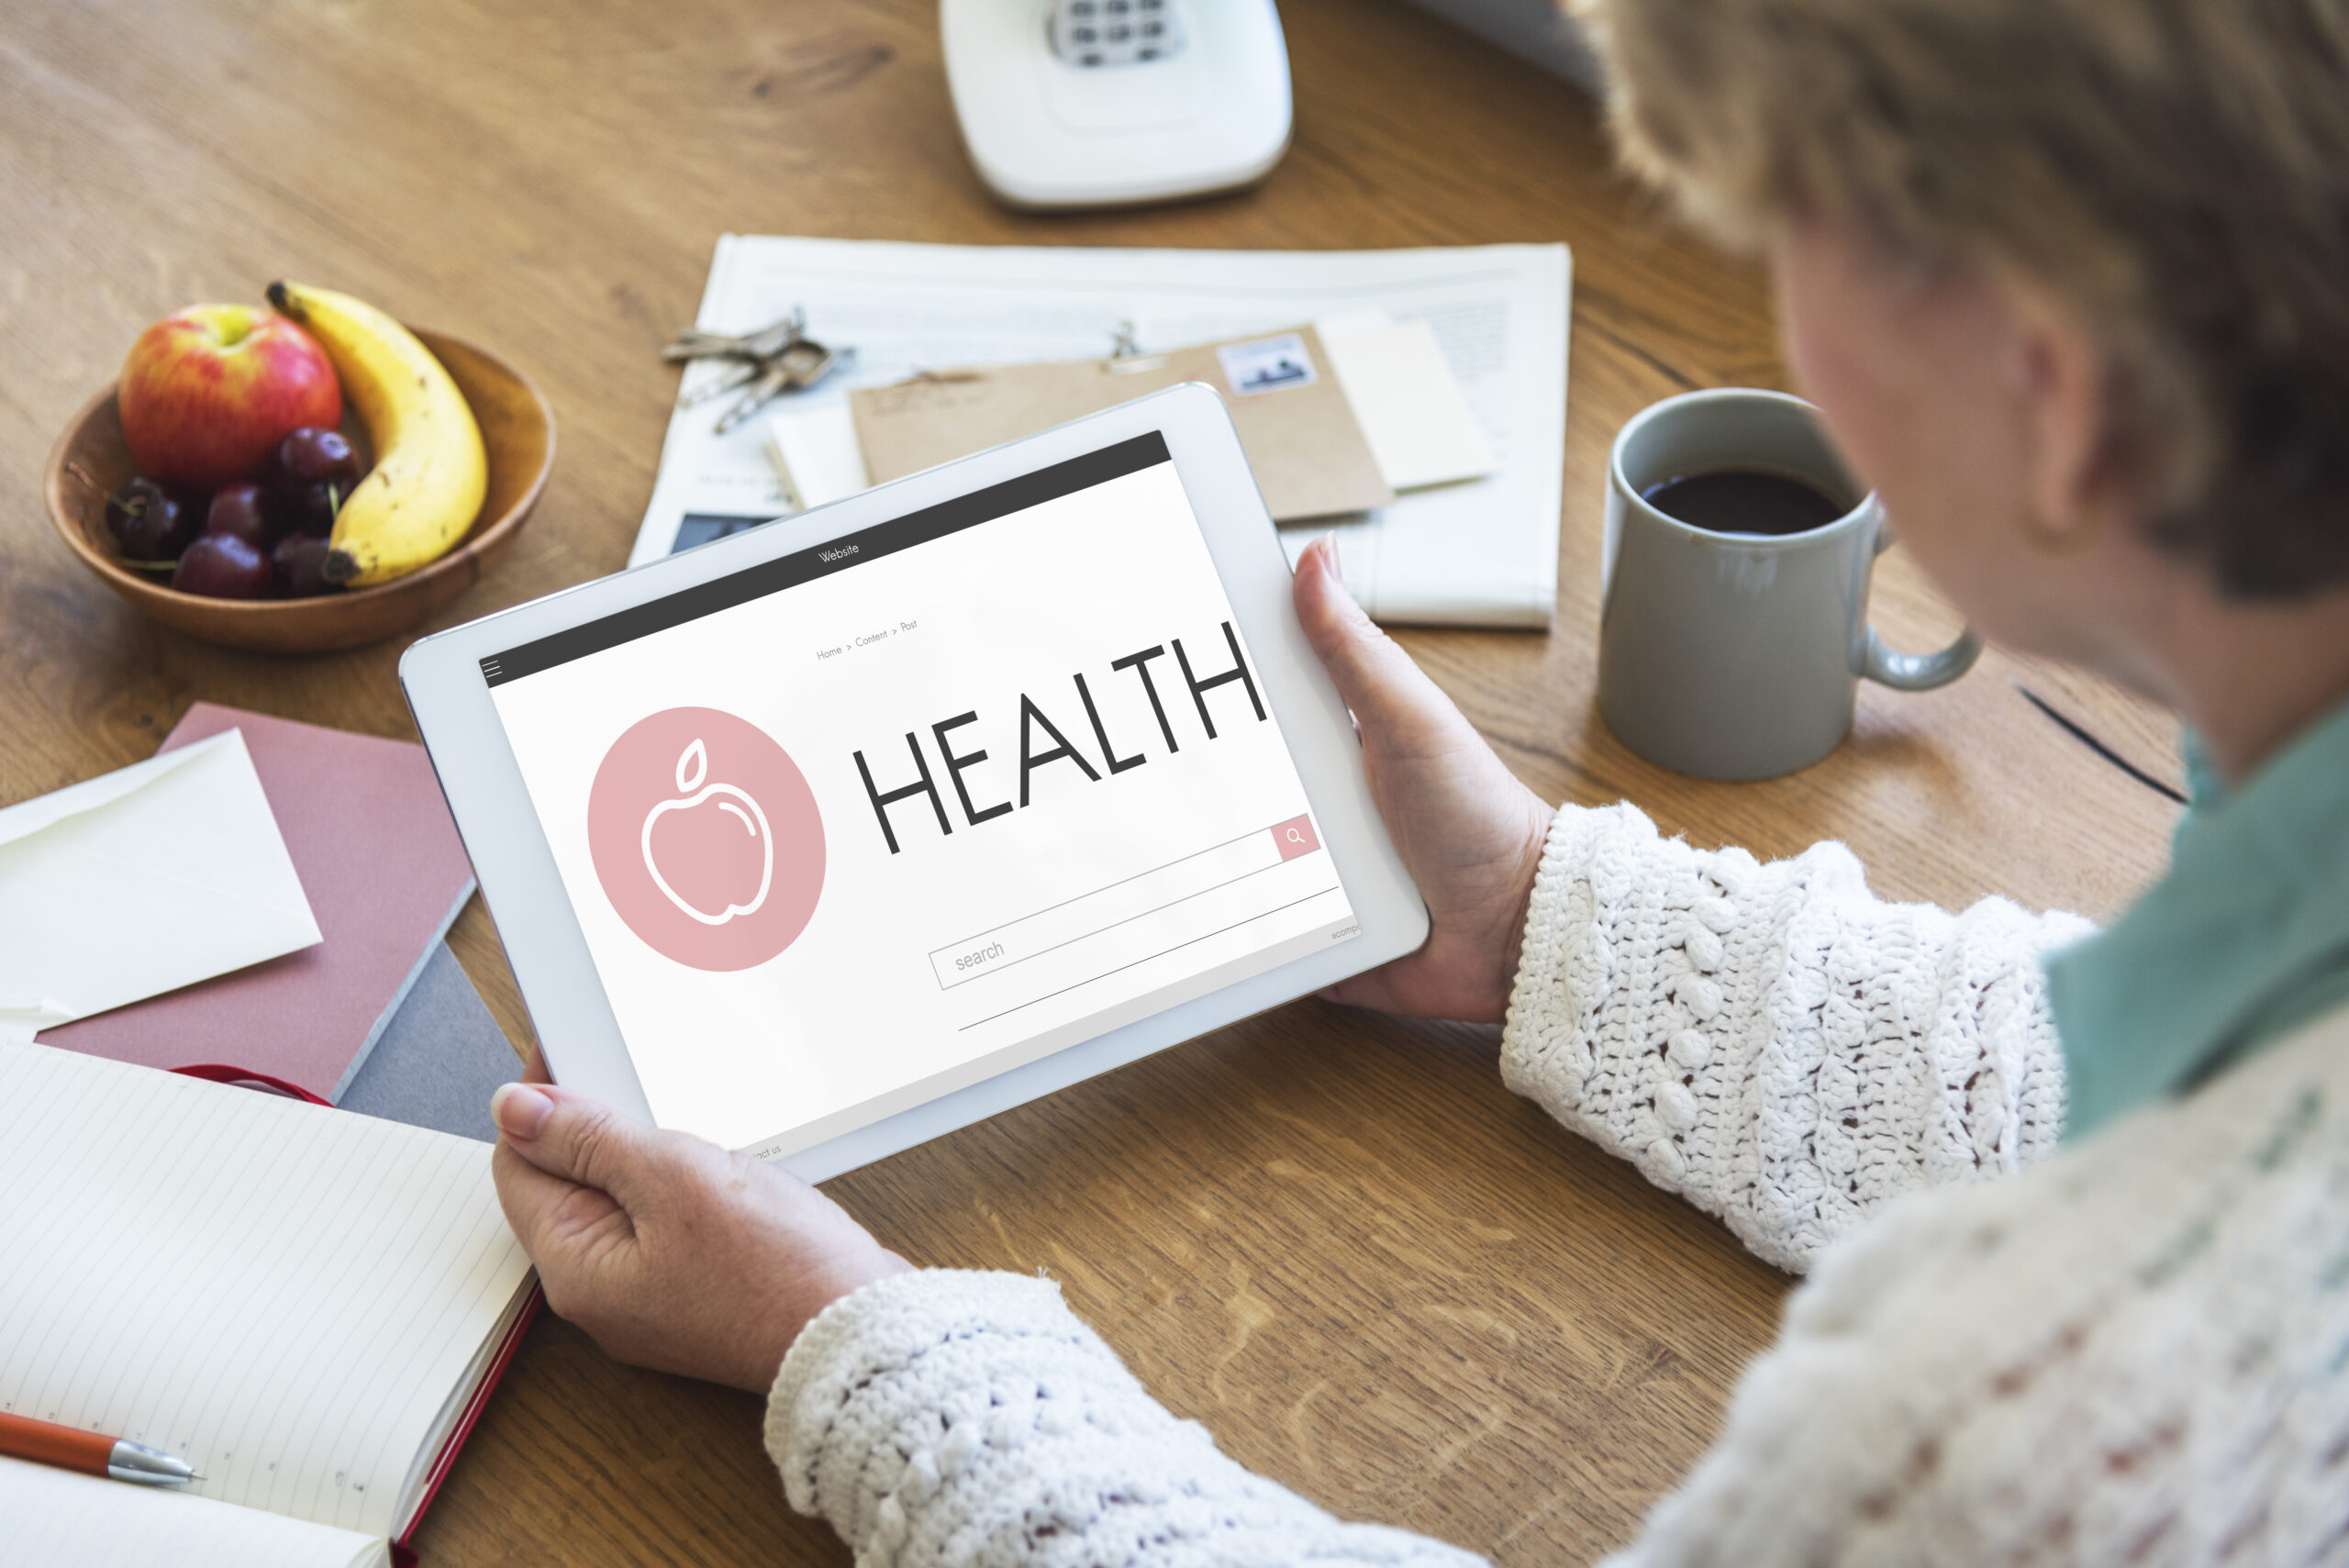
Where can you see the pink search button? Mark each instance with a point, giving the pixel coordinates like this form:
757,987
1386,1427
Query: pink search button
1296,838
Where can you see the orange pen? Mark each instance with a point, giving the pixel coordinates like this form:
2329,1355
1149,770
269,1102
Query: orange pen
93,1454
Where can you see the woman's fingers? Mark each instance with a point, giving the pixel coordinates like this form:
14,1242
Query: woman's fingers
667,1250
578,1140
1469,832
1369,989
552,1217
1391,695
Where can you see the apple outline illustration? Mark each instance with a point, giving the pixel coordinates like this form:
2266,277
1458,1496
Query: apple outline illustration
693,767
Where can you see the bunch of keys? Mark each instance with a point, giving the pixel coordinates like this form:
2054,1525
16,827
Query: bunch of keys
774,360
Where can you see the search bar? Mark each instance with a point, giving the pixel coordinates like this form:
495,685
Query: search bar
1146,913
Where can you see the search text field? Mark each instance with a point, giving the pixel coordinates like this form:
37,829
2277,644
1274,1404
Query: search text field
1167,906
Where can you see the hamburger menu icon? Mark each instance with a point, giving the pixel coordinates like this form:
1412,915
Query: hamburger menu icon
706,838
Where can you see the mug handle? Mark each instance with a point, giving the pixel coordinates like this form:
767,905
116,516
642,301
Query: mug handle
1886,666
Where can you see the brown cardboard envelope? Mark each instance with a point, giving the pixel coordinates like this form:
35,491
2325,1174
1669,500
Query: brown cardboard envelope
1301,437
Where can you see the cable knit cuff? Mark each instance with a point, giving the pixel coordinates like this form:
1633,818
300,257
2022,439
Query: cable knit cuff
1774,1042
967,1417
1541,1056
884,1333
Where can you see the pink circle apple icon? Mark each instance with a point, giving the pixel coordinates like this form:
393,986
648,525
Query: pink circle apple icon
705,838
693,766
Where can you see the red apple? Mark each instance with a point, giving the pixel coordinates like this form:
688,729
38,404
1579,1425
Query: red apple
208,394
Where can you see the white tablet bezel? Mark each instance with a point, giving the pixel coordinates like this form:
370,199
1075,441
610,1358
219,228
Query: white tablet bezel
577,1031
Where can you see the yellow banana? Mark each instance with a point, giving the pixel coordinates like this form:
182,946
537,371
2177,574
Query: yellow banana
431,471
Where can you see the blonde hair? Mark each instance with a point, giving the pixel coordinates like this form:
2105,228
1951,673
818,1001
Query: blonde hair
2177,169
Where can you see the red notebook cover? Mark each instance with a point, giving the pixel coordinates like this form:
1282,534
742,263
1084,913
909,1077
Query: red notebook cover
386,874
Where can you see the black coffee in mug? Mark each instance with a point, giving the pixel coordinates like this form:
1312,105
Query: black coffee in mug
1744,501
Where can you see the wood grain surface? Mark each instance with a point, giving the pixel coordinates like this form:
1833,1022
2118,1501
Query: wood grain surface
1333,1238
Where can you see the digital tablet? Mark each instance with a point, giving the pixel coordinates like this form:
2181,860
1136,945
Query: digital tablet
832,836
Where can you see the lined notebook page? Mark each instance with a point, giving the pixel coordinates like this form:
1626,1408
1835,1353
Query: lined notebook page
58,1519
284,1294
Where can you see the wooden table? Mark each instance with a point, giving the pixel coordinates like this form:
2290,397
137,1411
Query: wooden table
1333,1238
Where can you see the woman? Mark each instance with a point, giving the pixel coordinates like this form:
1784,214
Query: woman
2069,281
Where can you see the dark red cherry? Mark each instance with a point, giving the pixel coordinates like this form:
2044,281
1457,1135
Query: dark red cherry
250,512
310,508
318,457
299,564
222,566
150,524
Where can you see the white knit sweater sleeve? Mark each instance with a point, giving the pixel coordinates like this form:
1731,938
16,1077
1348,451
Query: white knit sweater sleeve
1774,1042
2138,1352
944,1417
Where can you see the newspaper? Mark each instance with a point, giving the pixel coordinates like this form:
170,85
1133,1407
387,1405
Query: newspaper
1480,552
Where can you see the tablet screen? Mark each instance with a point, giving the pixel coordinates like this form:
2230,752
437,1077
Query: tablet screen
862,825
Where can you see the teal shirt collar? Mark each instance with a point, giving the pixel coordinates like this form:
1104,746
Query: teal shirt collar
2246,937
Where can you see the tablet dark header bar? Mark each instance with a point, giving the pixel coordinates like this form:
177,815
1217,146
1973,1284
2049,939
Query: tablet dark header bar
833,555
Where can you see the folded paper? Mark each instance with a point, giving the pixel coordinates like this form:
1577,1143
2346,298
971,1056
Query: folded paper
140,881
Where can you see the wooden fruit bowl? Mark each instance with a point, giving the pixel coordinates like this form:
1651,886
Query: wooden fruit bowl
516,428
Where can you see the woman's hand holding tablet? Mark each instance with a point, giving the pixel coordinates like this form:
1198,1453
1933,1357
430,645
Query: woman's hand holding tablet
1470,833
673,1254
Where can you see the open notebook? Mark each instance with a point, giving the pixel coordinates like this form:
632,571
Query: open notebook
306,1303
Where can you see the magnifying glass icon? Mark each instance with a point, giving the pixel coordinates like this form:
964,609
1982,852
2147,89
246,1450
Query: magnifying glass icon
1295,837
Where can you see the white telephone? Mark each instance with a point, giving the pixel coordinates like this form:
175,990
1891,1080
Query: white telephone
1107,103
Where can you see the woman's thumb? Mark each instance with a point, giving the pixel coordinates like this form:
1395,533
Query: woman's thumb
573,1137
1386,689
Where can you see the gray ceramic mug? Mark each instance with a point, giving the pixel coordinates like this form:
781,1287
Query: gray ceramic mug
1738,656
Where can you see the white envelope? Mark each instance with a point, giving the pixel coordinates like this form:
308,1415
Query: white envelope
1406,400
139,882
